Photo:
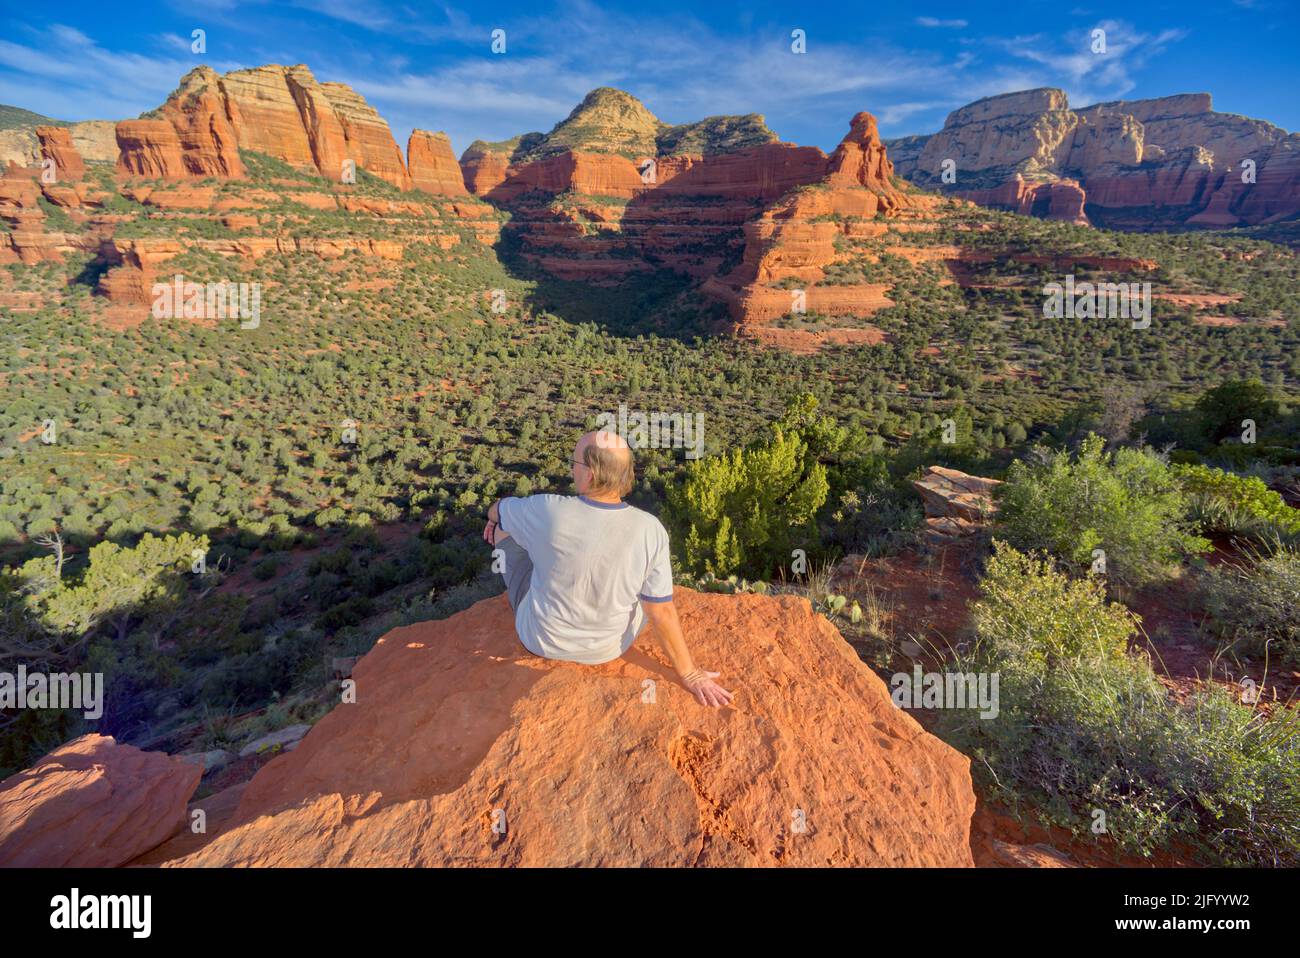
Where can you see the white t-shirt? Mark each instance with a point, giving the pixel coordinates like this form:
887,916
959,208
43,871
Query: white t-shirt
593,564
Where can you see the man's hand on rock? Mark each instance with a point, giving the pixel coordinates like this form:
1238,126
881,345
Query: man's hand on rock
706,691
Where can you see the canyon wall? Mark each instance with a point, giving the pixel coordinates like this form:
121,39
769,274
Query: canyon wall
282,112
1137,164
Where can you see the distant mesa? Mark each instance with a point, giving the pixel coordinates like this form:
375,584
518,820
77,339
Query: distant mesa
1163,163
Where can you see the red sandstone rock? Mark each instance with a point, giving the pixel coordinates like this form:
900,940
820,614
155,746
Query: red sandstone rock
1054,200
56,145
432,164
860,159
92,804
368,139
64,196
149,148
281,111
457,728
796,238
179,198
208,143
324,130
949,493
484,171
762,173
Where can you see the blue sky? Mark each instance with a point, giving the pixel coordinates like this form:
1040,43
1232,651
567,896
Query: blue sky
430,65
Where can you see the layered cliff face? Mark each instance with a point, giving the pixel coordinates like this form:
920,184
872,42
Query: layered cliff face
199,133
810,229
433,165
280,111
27,238
612,190
1139,164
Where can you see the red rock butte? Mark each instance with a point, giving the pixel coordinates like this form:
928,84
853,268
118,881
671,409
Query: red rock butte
691,198
285,113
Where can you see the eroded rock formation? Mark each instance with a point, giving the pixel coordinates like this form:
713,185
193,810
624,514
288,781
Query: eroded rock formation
611,190
463,749
1136,164
280,111
796,238
92,803
57,147
94,141
433,165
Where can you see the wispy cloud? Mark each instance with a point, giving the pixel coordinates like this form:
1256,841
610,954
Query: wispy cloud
681,68
1093,66
433,68
63,73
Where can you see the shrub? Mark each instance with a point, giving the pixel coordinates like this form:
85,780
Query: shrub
1258,608
742,511
1082,726
1126,503
1222,409
1222,501
1043,618
348,612
267,568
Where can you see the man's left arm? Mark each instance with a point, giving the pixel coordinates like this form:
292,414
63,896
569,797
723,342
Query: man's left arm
657,600
668,629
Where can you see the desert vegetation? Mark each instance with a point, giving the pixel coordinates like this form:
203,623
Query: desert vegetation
223,511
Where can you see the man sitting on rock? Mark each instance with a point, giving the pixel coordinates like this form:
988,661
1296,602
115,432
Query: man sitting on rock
584,573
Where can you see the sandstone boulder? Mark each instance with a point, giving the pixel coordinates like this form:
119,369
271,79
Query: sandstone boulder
92,804
464,749
950,494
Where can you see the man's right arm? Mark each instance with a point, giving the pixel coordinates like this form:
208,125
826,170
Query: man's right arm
492,532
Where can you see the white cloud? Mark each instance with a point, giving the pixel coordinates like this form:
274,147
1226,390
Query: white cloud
1087,77
65,74
679,66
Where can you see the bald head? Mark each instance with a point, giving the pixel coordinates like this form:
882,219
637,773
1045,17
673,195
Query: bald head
608,469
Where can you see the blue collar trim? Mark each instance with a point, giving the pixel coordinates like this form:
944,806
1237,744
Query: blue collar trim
603,505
